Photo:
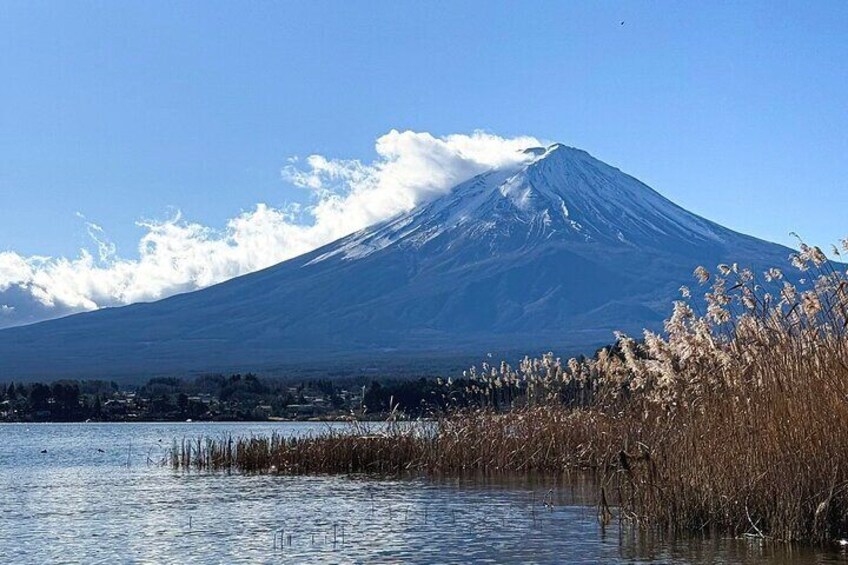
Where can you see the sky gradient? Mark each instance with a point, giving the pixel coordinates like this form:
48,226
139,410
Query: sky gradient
120,112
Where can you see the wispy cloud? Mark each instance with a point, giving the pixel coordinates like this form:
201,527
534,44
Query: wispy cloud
176,255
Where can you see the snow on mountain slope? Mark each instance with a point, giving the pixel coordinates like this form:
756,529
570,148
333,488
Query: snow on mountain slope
564,194
555,253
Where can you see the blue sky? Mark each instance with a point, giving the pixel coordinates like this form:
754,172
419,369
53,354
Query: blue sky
124,111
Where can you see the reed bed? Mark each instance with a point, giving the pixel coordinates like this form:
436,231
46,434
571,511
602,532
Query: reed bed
543,439
733,420
744,424
326,453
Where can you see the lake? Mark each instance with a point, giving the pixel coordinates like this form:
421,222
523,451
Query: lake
99,495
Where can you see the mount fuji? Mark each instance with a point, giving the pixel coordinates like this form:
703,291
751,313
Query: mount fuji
555,253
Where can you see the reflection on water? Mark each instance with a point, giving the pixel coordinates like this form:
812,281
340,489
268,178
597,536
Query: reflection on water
98,495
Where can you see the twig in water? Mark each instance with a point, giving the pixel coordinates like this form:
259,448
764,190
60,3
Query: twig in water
753,525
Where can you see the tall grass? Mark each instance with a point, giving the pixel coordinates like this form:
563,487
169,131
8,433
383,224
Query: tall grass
744,423
542,439
734,420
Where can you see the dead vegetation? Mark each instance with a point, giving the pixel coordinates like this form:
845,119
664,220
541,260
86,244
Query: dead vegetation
734,420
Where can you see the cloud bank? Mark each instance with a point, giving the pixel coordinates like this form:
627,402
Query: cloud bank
177,255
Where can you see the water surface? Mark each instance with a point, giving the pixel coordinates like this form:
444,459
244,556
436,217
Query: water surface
99,495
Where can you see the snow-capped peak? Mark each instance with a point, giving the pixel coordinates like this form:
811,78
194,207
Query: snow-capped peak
560,193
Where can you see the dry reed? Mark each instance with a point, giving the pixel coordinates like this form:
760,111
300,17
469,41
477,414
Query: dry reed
542,439
734,420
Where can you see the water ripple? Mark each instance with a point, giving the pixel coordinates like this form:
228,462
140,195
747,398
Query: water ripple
75,504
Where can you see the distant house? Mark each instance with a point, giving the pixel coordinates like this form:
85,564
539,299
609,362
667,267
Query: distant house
304,410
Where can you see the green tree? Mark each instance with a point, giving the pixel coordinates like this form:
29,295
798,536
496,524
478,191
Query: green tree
66,396
39,397
97,408
182,402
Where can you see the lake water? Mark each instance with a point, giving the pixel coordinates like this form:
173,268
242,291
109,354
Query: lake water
98,495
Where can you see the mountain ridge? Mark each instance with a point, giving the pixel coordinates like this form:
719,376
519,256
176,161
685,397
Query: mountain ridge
554,253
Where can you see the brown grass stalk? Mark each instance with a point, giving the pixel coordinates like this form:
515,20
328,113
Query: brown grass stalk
731,421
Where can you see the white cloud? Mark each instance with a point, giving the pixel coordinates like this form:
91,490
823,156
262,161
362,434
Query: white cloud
176,255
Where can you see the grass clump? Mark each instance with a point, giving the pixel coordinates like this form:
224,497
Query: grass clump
540,439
